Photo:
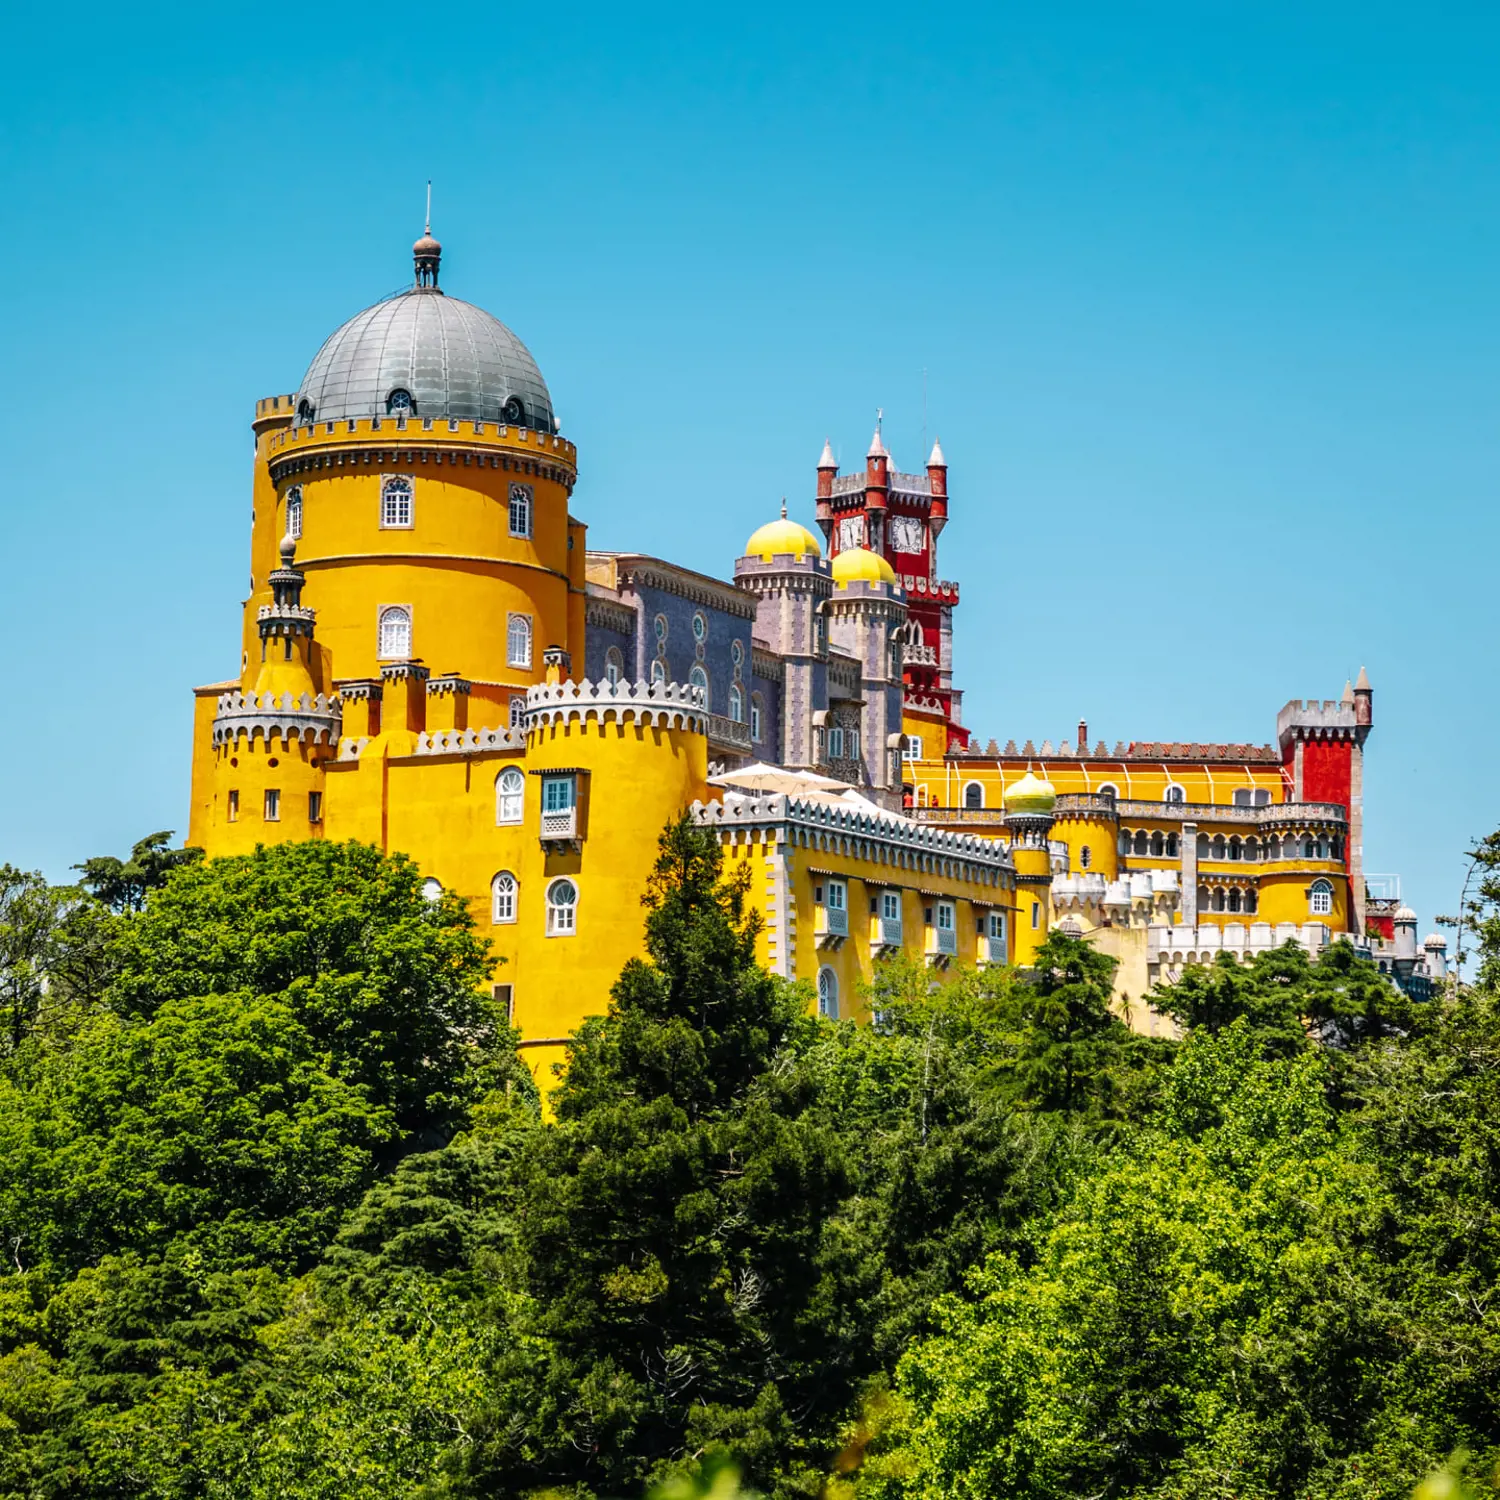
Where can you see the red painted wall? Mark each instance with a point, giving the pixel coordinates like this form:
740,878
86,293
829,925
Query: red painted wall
1326,771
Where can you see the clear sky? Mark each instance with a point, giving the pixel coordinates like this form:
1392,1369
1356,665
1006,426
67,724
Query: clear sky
1205,296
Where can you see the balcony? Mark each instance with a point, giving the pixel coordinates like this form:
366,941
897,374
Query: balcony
560,827
833,925
885,932
992,951
725,733
942,944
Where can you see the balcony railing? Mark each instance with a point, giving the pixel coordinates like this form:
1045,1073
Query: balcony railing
885,932
943,941
727,733
560,825
833,922
992,950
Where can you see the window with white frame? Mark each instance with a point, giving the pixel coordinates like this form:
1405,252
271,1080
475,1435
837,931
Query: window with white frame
699,679
836,742
945,916
1320,898
755,718
395,632
890,906
736,703
562,909
520,509
828,994
518,641
658,670
517,713
273,805
1108,789
432,889
1036,915
996,927
395,501
503,893
1175,793
614,666
510,795
974,795
294,512
836,895
852,743
912,750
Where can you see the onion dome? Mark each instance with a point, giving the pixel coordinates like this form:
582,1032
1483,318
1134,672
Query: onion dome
423,354
1030,795
1405,914
1434,940
860,565
783,538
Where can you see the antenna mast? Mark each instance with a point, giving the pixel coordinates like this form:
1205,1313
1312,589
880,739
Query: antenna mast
427,225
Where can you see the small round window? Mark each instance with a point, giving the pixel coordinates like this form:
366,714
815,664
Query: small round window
399,402
700,627
737,653
661,627
514,410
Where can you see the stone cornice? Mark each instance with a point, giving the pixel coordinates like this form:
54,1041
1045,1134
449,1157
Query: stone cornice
698,588
608,614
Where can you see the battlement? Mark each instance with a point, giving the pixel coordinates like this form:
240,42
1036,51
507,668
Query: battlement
1312,718
922,588
674,705
1176,946
304,716
910,484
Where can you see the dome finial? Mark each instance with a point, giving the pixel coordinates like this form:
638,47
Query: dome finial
783,507
427,253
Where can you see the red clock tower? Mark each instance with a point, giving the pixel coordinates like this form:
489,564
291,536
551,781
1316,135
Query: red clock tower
900,517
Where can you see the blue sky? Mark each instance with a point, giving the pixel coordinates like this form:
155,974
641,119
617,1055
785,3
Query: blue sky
1206,297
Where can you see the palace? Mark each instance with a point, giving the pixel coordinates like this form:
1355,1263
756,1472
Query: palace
433,661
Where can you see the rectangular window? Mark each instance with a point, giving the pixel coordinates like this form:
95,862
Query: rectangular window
315,807
997,926
945,916
395,501
854,744
294,512
557,794
755,720
914,747
273,805
1036,915
520,510
837,895
233,811
505,1000
836,743
890,905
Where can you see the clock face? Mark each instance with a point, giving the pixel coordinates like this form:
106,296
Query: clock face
906,534
851,532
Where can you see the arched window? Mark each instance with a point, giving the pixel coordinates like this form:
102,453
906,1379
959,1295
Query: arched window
828,994
562,909
699,679
517,713
1142,842
395,633
1205,898
1252,901
1158,845
736,703
294,512
1203,846
520,510
1273,849
432,890
1320,898
756,720
399,403
1171,846
510,791
1108,790
614,666
1085,856
1234,900
1175,793
1335,847
395,501
973,795
1234,848
1218,898
1219,846
1307,848
1124,841
305,413
503,893
658,670
518,641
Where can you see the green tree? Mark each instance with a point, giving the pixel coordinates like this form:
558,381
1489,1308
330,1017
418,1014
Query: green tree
124,884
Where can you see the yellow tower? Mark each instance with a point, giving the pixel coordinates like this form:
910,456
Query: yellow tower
1029,805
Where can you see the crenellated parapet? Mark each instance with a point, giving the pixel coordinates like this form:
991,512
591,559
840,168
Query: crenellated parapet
1328,719
306,717
673,705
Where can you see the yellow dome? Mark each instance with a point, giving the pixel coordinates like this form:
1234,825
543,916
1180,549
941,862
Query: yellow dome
1030,794
783,538
860,565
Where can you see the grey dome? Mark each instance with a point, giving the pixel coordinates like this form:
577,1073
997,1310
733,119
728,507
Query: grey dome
451,358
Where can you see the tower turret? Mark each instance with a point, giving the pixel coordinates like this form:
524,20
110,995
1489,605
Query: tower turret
937,484
828,468
1364,702
877,492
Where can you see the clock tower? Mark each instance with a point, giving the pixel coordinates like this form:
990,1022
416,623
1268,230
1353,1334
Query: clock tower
899,517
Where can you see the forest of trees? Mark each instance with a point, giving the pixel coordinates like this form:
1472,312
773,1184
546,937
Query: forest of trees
281,1217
